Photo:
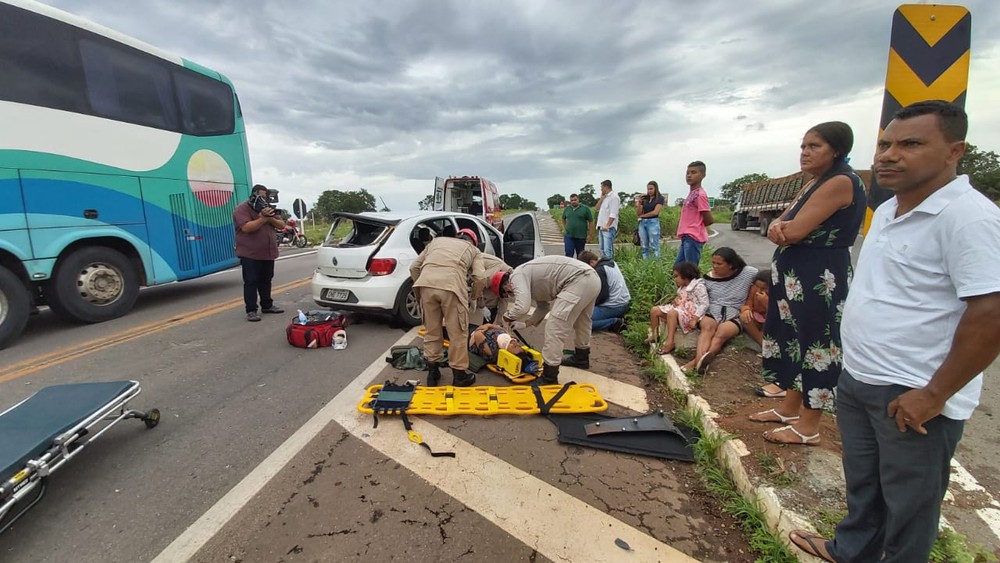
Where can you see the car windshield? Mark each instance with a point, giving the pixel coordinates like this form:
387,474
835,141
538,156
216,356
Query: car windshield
347,232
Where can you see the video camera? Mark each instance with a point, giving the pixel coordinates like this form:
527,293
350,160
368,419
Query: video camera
258,203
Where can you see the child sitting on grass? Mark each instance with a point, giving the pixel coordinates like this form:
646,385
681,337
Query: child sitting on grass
686,309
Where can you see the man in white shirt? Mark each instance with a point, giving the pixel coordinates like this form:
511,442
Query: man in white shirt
607,219
921,322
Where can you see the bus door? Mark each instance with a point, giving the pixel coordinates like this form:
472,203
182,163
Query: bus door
192,231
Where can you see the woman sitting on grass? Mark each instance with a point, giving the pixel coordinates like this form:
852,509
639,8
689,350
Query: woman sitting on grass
728,284
684,311
750,320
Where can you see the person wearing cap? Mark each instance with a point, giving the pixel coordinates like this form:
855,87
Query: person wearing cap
441,275
256,247
563,288
490,304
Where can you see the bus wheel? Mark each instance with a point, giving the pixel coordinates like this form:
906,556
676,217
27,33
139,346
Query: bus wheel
93,285
15,306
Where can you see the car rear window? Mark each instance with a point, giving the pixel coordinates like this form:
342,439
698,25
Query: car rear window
347,232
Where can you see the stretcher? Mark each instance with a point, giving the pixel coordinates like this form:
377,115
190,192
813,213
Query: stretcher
485,400
41,433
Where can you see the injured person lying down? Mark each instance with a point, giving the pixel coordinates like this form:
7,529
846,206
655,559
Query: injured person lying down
488,339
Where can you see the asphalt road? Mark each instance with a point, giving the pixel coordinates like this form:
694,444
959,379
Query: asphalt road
229,391
256,432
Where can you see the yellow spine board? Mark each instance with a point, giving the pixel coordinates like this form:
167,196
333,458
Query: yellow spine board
487,400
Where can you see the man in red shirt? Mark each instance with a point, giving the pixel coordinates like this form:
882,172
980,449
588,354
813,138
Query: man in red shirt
696,215
257,248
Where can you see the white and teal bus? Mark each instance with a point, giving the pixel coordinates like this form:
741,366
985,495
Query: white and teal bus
120,166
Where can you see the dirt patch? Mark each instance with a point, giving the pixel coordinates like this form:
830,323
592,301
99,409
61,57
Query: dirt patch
610,357
808,479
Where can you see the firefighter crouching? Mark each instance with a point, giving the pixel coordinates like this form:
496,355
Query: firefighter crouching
565,289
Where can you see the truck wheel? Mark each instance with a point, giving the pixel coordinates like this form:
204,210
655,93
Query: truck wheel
734,223
765,222
408,306
15,306
92,285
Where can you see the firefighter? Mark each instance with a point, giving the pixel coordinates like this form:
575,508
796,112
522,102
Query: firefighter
441,278
563,288
491,305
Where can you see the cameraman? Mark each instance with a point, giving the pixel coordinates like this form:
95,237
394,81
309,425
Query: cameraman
257,248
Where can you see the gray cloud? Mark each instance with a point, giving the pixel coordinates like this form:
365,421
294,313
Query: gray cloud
519,91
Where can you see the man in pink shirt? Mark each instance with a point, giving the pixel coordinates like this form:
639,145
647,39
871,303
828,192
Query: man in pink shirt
695,216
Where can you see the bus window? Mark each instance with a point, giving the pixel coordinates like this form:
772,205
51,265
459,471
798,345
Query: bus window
206,105
126,86
39,62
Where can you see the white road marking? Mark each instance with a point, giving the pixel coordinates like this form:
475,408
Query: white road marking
562,527
964,481
612,390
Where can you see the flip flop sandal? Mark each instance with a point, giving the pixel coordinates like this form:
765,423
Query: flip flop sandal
761,392
703,361
805,440
663,351
781,418
810,540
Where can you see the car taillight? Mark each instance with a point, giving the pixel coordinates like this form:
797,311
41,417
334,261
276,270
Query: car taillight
382,266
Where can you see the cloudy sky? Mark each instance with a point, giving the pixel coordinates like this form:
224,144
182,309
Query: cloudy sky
541,97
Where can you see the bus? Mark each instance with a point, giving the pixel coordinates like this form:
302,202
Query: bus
120,167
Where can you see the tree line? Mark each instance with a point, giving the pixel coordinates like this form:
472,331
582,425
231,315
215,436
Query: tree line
983,168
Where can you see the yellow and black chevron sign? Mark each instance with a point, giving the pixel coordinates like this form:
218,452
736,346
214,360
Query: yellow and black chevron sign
928,60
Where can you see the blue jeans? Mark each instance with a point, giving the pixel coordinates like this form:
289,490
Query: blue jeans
606,241
603,317
690,251
895,480
574,246
649,235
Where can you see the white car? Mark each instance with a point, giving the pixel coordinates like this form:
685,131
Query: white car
364,263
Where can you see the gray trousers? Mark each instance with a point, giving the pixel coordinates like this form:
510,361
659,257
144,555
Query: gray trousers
570,313
895,480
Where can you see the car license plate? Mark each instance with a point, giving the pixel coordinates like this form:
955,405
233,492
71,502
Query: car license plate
337,294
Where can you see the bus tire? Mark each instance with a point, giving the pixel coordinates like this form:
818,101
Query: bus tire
92,285
408,305
15,307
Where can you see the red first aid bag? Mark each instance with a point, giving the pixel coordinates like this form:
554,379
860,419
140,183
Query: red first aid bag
317,331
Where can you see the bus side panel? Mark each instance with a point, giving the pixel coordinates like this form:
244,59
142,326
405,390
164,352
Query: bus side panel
13,223
72,199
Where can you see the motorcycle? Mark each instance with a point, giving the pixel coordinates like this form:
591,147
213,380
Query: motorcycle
291,237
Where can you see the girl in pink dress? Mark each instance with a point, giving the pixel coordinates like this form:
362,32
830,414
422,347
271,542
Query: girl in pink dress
686,309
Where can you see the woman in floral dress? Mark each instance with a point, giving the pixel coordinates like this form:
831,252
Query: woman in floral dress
810,271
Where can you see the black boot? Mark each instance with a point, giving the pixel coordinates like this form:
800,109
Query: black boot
550,375
462,378
579,359
433,374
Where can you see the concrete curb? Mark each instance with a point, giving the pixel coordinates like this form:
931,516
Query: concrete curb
780,519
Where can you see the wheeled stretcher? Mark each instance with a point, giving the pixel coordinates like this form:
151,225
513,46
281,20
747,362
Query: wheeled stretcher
41,433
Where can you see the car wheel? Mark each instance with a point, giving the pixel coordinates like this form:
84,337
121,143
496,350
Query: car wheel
408,306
